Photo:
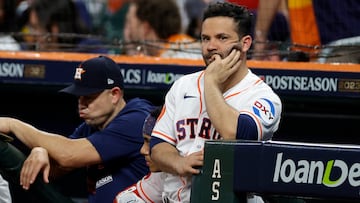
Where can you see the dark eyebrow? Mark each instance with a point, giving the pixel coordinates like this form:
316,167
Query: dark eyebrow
222,35
217,35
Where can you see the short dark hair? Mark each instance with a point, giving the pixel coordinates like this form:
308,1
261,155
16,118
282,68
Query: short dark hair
150,120
241,15
63,13
162,15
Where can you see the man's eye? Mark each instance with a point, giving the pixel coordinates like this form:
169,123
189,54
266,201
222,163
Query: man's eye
204,39
223,38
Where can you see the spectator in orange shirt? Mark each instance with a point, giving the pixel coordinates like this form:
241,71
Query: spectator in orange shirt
153,28
312,23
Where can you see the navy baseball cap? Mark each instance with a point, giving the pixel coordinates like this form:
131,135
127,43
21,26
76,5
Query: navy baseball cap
95,75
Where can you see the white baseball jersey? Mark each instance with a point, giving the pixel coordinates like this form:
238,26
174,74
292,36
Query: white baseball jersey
186,124
147,190
5,195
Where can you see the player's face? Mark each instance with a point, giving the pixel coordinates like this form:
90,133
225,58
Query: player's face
218,36
37,33
133,30
145,150
97,109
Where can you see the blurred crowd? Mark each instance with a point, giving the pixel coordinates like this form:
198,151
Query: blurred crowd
280,28
93,26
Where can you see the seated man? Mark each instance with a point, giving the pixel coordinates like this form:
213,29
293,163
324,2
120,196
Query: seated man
107,143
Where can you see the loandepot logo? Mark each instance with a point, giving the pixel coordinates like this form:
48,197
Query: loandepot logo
316,172
162,78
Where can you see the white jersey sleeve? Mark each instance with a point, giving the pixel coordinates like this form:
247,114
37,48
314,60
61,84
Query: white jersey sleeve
5,195
128,196
147,190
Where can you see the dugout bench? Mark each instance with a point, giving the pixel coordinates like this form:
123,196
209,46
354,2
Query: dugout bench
278,171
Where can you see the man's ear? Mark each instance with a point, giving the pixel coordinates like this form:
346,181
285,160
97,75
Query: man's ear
117,94
246,43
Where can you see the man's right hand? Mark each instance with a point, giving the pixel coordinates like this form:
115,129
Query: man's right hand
189,164
37,161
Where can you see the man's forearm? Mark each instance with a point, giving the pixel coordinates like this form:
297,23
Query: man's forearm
26,133
222,116
265,15
72,153
33,137
165,156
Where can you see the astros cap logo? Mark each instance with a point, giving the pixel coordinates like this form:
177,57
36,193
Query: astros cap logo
78,72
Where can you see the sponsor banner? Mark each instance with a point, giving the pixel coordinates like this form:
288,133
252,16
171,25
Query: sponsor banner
161,77
153,76
141,76
36,71
297,169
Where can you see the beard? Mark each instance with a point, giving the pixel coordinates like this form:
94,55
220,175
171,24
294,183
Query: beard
209,57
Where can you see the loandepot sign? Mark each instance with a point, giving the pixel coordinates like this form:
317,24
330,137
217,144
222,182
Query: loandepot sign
297,169
277,168
164,78
316,172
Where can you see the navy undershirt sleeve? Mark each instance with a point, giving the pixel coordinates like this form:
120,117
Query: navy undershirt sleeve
246,128
154,141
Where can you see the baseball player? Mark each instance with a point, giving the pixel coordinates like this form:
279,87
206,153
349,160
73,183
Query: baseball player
224,101
149,188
